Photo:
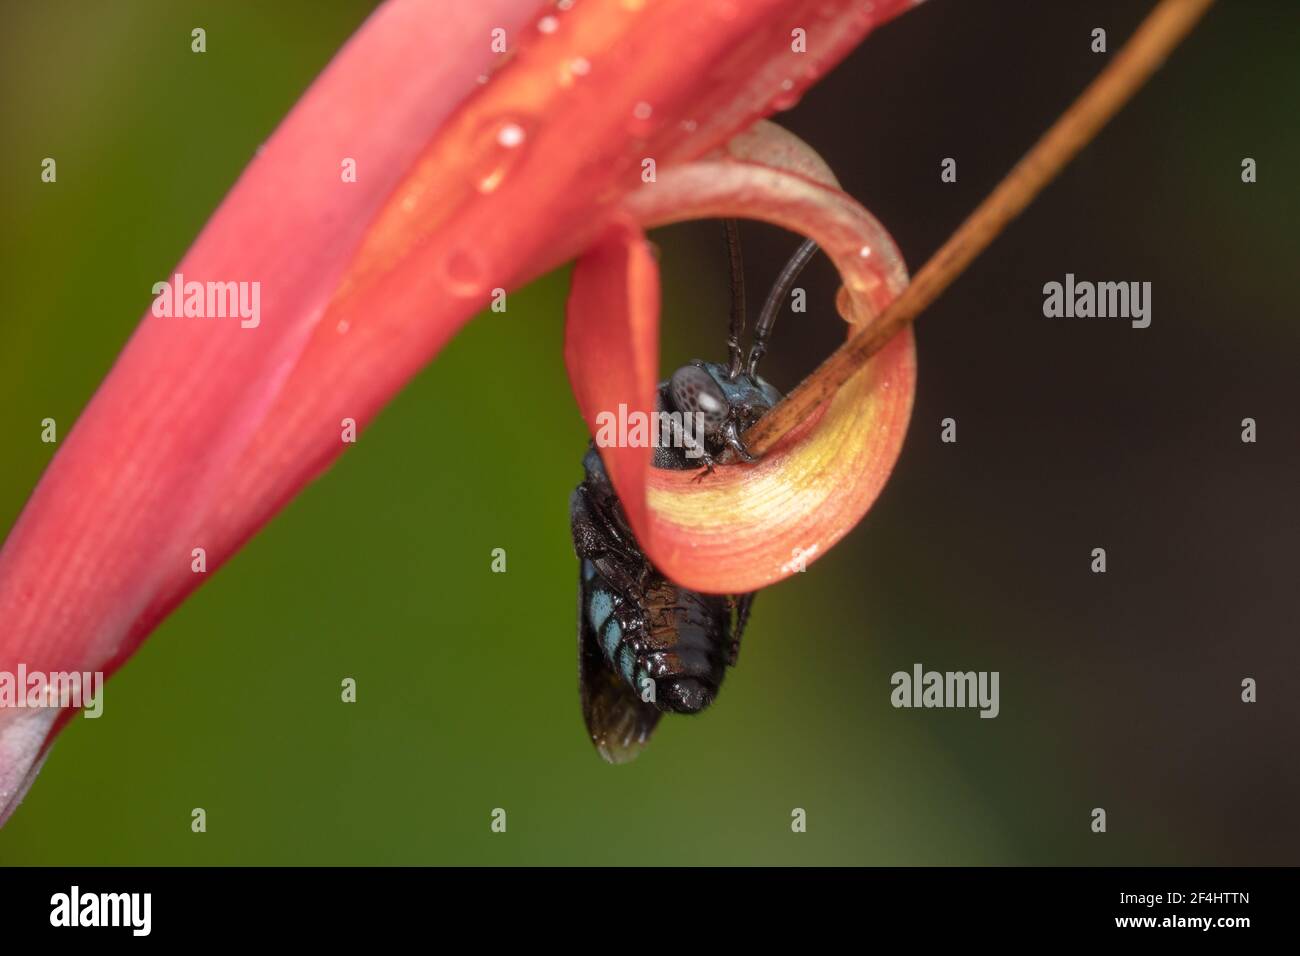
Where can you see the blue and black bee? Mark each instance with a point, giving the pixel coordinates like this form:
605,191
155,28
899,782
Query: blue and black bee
646,645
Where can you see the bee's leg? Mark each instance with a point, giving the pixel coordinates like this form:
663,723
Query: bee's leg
707,463
767,318
737,327
732,437
743,603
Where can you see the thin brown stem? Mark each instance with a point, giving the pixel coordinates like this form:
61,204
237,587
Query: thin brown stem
1145,51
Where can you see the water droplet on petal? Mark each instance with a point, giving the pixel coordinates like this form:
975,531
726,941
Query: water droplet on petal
788,96
864,14
464,272
571,70
548,24
499,148
511,135
864,251
640,125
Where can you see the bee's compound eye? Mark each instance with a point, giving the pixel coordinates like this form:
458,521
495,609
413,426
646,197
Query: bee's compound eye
693,390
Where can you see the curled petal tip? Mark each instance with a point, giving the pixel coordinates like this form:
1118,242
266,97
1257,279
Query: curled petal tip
745,526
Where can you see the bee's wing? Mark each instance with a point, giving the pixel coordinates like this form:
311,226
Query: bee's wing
619,722
743,604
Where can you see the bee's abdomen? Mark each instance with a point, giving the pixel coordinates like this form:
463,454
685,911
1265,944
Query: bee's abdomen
616,644
677,641
683,648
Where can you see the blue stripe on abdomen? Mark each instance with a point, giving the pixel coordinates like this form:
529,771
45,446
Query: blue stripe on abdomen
609,639
626,663
599,608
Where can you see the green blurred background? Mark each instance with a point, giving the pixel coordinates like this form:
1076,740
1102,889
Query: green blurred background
1119,691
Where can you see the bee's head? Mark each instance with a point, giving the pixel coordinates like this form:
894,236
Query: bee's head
725,406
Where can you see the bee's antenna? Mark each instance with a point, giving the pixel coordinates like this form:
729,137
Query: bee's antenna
737,296
767,318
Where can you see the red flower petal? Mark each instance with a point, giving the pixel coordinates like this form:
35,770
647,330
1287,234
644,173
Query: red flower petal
103,546
611,347
204,429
